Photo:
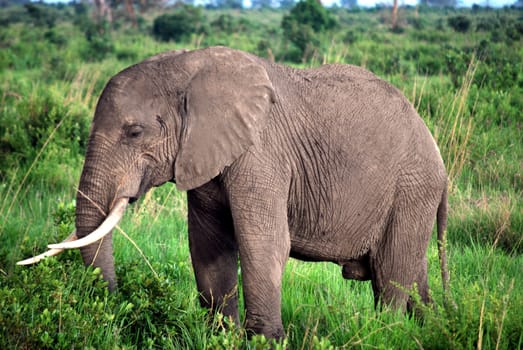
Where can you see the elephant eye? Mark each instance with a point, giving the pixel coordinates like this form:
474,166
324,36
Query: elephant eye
185,106
134,131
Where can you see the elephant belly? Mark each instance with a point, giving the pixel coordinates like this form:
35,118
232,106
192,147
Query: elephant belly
343,230
325,251
338,207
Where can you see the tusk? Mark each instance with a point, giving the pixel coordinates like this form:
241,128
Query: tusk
50,252
109,223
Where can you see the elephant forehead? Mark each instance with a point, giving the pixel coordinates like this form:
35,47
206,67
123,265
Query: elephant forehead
121,101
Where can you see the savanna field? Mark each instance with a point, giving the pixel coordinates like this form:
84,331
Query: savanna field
461,69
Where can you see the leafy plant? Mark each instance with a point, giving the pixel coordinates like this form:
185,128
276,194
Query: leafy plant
459,23
179,25
229,24
40,15
305,20
43,120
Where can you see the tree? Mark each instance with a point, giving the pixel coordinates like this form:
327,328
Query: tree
459,23
394,15
312,14
109,9
40,15
102,11
180,24
305,20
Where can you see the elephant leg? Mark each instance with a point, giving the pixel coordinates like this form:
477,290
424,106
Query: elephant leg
261,229
422,287
400,259
262,270
214,254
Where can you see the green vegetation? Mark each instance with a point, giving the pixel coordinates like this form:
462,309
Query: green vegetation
303,25
464,79
179,24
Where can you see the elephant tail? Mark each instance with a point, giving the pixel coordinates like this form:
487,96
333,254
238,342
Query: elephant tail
441,220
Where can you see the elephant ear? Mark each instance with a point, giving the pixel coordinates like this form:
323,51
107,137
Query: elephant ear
226,106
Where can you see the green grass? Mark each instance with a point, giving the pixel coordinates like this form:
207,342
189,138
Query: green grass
48,90
58,302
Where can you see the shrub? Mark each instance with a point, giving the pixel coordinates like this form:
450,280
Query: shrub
304,21
350,37
487,24
312,14
99,41
43,310
40,15
417,22
513,31
12,14
459,23
56,37
302,36
42,119
457,63
262,47
229,24
180,24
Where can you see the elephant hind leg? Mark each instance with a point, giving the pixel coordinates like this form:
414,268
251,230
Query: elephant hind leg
400,258
423,290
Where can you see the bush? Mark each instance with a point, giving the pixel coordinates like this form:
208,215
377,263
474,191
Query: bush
312,14
417,22
487,24
180,24
304,22
43,311
13,14
99,41
40,15
30,122
459,23
513,31
228,24
350,37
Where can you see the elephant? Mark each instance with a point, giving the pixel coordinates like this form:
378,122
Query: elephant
322,164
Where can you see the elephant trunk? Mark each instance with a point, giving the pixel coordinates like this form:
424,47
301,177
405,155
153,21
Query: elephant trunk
93,201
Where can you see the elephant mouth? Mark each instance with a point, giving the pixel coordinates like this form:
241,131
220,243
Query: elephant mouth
144,187
73,242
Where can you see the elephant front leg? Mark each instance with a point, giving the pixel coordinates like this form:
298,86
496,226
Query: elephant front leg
261,229
262,277
214,255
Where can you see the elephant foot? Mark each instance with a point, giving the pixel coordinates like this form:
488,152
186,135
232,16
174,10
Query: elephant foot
356,270
257,326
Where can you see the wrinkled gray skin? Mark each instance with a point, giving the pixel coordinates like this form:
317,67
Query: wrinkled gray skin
326,164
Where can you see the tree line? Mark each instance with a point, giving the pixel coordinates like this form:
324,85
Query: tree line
105,6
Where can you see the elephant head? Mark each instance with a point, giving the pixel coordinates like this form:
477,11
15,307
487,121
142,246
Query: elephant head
178,116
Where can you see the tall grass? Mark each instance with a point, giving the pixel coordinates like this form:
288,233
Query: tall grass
452,122
457,124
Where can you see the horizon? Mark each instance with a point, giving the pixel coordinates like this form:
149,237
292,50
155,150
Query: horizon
364,3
